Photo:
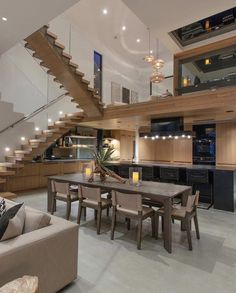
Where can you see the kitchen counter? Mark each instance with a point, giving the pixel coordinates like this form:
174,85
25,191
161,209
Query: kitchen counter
173,165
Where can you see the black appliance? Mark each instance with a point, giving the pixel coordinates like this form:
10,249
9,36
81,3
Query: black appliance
167,125
204,144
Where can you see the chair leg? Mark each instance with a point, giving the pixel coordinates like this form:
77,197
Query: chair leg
79,213
162,224
153,219
68,210
157,225
196,226
128,223
85,213
113,223
188,229
95,215
108,211
99,219
139,238
53,205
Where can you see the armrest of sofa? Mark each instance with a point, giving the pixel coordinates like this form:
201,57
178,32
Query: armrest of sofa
51,253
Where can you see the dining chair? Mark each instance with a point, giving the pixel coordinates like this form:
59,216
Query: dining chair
185,214
91,197
61,191
130,206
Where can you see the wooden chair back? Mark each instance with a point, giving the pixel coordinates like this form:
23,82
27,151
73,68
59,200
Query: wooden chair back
60,187
90,193
127,201
192,202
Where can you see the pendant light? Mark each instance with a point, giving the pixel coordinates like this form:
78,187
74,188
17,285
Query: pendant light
149,58
157,64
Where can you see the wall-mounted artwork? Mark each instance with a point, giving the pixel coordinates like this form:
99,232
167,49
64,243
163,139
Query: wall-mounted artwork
115,92
133,97
125,95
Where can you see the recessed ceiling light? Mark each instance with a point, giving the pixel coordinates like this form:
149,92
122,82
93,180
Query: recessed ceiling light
7,149
104,11
151,51
4,18
60,112
49,120
138,40
22,138
123,28
36,128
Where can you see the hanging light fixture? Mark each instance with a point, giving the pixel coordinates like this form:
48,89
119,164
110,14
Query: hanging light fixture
149,58
157,76
157,64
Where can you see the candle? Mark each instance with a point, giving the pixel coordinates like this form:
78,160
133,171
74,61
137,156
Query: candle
185,81
135,177
88,172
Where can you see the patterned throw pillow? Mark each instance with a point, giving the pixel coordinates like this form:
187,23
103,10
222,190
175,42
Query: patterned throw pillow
12,222
2,207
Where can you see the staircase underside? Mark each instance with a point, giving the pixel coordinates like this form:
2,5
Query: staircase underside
59,63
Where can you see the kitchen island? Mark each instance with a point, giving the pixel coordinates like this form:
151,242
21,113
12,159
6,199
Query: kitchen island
216,183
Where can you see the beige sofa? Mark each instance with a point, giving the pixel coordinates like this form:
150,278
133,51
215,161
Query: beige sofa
51,253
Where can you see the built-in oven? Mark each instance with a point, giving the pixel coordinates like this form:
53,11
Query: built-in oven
204,148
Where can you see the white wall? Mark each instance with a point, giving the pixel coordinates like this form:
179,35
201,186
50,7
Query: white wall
82,48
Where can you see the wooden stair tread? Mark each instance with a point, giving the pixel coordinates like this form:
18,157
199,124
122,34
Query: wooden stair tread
64,54
59,45
79,73
8,195
3,181
85,81
54,36
6,173
73,64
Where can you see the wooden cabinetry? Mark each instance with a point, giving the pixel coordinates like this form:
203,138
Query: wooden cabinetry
169,150
226,143
35,175
126,145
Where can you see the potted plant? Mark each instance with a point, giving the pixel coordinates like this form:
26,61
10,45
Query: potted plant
101,158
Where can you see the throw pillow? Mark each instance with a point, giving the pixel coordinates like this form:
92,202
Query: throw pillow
2,207
12,222
35,220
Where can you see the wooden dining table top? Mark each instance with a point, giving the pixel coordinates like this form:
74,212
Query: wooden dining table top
149,188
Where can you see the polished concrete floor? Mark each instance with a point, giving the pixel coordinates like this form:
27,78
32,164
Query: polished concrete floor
118,267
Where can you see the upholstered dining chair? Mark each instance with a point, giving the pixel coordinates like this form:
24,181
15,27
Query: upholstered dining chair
185,214
61,191
130,206
91,197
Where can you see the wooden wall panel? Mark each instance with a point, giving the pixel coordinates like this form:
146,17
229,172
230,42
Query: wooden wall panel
164,150
182,150
146,150
126,145
226,143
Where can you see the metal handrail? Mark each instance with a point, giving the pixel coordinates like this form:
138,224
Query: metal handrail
39,110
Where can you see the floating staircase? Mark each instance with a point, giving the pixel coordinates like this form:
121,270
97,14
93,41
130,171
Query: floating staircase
46,48
37,146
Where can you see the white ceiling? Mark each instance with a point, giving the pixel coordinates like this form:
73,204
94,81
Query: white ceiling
164,16
25,17
88,16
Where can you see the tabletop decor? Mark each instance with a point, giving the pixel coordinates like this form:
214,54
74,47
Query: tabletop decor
135,176
101,159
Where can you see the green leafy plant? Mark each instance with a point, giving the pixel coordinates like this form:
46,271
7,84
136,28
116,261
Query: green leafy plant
101,159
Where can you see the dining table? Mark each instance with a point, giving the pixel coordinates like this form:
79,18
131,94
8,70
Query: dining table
159,192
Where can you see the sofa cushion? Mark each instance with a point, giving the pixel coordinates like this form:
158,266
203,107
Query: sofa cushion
26,284
2,207
35,220
12,222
